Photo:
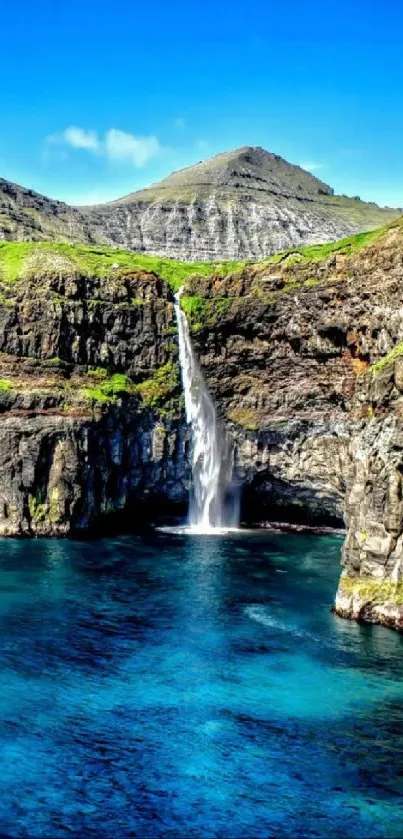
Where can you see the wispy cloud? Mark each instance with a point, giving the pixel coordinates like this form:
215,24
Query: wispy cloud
77,138
127,147
311,166
115,145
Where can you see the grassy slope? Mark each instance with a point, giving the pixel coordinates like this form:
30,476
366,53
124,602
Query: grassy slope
316,253
20,260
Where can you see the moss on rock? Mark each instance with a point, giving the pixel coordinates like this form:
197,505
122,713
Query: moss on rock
372,590
391,356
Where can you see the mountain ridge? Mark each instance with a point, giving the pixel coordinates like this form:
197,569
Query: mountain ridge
212,172
246,203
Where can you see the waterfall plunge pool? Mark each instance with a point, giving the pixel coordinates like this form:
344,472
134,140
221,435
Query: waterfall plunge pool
170,685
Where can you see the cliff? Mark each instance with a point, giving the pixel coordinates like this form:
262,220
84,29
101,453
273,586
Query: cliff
243,204
91,421
303,353
371,586
305,358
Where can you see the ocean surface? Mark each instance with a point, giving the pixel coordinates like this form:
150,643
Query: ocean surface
174,686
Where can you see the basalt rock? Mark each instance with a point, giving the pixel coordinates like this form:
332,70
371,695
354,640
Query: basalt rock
303,355
283,347
91,424
371,586
306,363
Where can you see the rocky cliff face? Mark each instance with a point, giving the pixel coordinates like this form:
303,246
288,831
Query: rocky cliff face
302,353
244,204
306,363
26,215
371,586
283,346
91,421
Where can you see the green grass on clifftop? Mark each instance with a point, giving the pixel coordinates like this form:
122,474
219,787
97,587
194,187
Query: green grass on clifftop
315,253
20,260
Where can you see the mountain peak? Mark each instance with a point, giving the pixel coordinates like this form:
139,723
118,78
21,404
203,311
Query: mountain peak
248,170
245,203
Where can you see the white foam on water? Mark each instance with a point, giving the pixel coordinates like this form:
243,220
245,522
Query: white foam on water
197,530
261,615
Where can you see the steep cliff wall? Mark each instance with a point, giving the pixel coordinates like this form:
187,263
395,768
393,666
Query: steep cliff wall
90,409
371,586
283,345
303,354
305,359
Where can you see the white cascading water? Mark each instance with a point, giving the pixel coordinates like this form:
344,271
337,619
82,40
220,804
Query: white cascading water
209,451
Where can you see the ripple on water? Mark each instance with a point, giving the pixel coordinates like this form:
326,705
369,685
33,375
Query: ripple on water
176,685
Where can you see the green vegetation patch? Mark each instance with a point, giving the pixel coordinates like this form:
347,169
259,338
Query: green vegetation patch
246,417
374,591
391,356
37,506
5,385
19,260
108,389
204,311
98,372
159,388
317,253
195,311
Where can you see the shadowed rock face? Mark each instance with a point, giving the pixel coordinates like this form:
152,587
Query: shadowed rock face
91,423
303,357
26,215
244,204
371,586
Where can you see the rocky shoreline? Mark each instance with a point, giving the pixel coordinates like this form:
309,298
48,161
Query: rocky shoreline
366,600
288,527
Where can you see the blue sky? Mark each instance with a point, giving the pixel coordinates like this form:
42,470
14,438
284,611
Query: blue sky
101,98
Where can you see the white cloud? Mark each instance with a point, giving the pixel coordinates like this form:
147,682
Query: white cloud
115,145
77,138
311,167
123,147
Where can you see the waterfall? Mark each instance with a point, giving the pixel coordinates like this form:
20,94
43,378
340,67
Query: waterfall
211,467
